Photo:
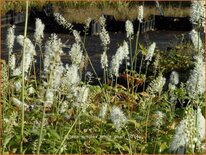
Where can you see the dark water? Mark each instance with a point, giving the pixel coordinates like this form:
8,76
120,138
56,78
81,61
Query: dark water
163,39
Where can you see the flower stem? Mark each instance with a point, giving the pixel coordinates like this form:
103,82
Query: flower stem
23,61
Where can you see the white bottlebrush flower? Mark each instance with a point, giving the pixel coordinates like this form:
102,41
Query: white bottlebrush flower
64,107
71,78
104,60
196,81
76,54
10,38
118,118
159,118
17,85
49,97
30,90
77,36
150,52
17,71
18,103
29,51
180,139
121,54
198,12
81,94
129,28
102,21
103,110
39,31
196,40
174,78
200,124
56,77
104,36
53,50
156,85
62,21
12,62
140,13
87,22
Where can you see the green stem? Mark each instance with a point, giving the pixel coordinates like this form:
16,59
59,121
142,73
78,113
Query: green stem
145,75
23,61
66,136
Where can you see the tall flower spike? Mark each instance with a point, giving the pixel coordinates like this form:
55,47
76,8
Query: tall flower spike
121,54
39,31
12,62
62,21
150,51
104,60
76,54
118,118
198,12
174,78
129,28
77,36
140,13
10,38
196,81
102,21
104,37
196,40
29,51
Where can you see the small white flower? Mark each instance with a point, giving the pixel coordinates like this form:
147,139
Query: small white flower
160,116
29,51
12,62
196,40
198,12
39,31
104,60
17,85
156,85
17,72
71,78
180,138
62,21
87,22
196,81
150,51
129,28
57,74
121,54
118,118
49,98
102,21
103,110
10,38
140,13
64,107
77,36
76,54
174,78
31,90
104,36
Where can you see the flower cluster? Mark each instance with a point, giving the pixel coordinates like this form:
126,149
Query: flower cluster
118,118
129,28
196,81
62,21
104,36
104,60
140,13
29,51
39,31
10,38
121,54
76,54
150,52
156,85
196,40
198,12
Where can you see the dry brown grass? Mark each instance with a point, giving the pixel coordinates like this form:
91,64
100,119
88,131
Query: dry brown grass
79,15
